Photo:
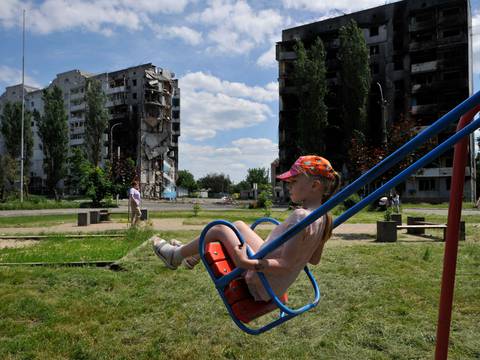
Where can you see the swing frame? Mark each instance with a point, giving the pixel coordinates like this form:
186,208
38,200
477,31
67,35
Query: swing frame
465,111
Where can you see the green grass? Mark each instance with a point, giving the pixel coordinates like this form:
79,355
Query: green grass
379,302
465,205
35,202
58,248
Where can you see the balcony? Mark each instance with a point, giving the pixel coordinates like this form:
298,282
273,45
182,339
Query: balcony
421,45
424,67
287,55
424,109
115,102
77,107
421,25
115,90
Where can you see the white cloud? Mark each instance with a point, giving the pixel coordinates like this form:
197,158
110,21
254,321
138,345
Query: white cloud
198,81
346,6
476,42
95,16
10,76
267,59
185,33
210,105
236,27
235,160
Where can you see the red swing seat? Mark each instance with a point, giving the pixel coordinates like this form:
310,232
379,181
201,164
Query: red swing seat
243,305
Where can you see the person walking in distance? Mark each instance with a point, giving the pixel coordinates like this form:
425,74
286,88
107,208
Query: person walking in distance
134,199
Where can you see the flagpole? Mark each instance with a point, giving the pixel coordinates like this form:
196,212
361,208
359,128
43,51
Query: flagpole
23,108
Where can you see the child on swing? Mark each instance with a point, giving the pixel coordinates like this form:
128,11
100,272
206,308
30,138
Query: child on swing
311,181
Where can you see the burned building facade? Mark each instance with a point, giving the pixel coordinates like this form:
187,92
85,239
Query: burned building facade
421,65
144,125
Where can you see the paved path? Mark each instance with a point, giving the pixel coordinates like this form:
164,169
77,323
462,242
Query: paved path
206,204
160,225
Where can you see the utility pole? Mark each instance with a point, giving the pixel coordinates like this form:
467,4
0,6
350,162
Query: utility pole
23,109
383,104
111,142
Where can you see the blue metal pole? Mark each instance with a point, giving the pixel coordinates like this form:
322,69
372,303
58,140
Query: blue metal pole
357,207
376,171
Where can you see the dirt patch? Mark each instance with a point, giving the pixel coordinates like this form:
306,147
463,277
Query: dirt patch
12,243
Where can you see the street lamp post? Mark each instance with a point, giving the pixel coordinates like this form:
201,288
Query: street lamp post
383,104
111,141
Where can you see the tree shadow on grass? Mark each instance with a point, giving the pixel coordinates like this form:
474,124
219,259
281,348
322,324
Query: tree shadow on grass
355,236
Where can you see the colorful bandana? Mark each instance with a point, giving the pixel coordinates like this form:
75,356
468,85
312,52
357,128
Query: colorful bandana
309,164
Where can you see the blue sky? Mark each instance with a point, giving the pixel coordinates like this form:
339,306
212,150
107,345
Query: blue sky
222,52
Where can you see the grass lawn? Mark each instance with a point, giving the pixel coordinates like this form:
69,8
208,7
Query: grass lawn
379,301
58,248
34,202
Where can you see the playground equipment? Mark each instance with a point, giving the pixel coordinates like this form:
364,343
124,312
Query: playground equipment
466,110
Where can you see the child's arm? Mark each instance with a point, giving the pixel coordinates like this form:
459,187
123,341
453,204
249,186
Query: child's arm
273,266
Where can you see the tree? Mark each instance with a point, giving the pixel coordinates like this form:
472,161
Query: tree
96,120
312,118
8,173
11,127
53,131
95,183
355,80
75,164
122,176
217,183
363,155
186,180
242,185
257,176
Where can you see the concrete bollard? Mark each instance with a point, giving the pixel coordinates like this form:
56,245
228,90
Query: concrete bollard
144,215
411,220
94,217
386,231
83,219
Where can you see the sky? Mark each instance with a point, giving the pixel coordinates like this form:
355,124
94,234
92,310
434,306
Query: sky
222,52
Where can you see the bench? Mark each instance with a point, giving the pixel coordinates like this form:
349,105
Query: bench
425,225
104,215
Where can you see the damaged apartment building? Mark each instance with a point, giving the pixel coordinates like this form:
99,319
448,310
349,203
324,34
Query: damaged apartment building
144,106
421,65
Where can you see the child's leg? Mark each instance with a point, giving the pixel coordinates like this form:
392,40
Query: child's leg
227,237
173,256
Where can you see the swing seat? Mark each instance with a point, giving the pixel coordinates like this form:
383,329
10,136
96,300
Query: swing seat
242,303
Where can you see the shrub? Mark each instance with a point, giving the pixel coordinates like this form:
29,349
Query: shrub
196,209
351,200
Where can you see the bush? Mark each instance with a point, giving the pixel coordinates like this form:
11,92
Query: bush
196,209
351,201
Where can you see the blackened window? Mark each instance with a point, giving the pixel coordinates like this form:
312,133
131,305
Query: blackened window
397,63
427,184
451,12
134,95
134,82
176,127
176,102
375,68
451,33
176,114
374,50
374,31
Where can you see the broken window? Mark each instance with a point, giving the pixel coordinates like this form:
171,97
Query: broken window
426,184
374,31
374,50
450,12
451,33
